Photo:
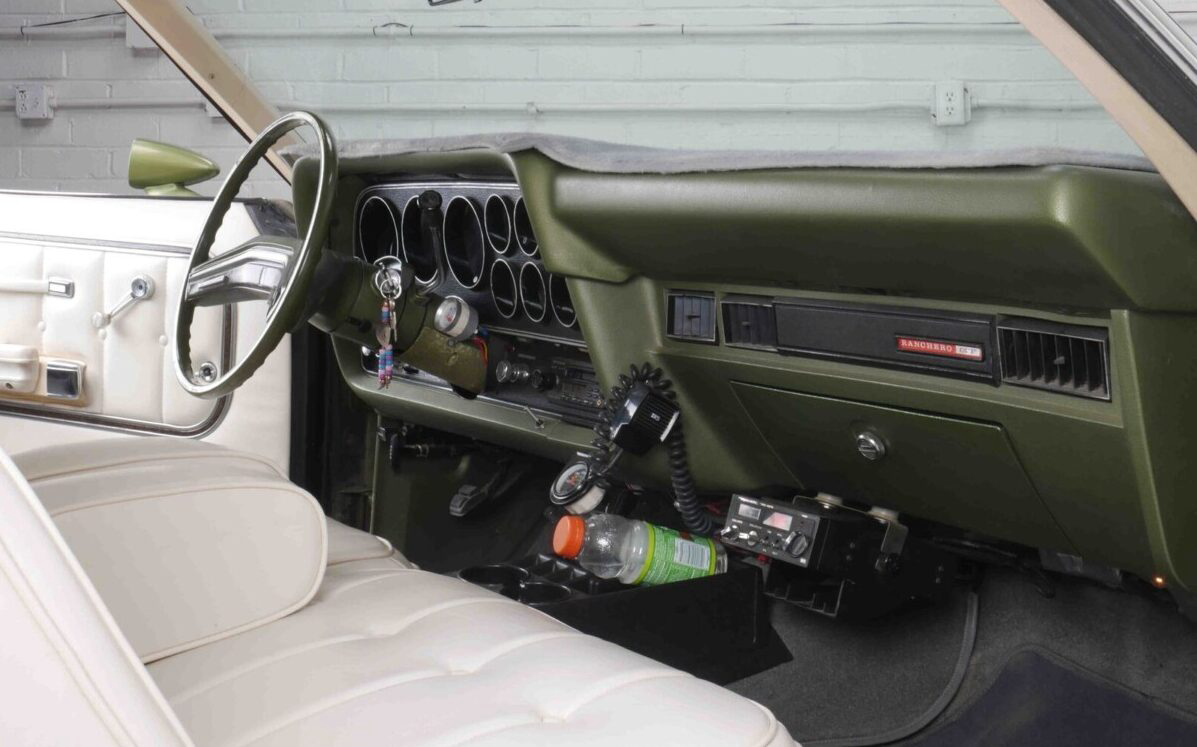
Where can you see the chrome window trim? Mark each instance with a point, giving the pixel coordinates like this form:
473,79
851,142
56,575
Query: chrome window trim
1164,32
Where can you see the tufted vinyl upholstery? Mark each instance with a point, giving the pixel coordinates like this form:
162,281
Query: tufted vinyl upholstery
389,654
401,656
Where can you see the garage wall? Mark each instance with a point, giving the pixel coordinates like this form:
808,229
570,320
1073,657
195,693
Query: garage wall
781,74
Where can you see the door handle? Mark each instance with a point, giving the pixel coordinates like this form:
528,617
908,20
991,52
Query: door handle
60,287
140,289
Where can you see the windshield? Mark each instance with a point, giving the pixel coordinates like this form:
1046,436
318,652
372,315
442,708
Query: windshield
792,76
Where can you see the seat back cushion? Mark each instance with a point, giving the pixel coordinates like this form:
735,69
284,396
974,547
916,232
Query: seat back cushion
186,542
67,676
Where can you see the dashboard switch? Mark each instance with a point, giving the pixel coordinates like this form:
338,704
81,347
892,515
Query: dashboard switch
542,381
511,373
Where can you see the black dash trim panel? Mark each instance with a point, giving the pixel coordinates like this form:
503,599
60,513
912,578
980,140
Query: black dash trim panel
933,342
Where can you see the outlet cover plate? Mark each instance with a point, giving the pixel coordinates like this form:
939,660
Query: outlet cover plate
952,105
33,101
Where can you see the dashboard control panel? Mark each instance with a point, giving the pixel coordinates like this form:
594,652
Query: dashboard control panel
777,530
473,244
546,377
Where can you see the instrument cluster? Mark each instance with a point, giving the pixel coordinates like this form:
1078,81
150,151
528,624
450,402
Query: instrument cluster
474,241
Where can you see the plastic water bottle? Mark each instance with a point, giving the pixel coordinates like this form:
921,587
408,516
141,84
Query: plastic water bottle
636,552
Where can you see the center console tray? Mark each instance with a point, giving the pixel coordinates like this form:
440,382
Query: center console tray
716,627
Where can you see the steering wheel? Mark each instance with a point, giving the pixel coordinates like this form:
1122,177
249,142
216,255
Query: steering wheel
276,269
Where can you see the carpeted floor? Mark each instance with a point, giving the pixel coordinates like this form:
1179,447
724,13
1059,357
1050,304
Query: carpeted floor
855,680
1134,642
852,681
1041,701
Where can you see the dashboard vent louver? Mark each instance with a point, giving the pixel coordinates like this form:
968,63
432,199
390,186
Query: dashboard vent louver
692,317
1072,360
750,322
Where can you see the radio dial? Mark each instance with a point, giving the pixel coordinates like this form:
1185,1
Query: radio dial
511,373
798,545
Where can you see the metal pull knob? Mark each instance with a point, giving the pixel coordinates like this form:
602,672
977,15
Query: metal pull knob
870,446
140,289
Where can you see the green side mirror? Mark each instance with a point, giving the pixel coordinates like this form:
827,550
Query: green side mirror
162,169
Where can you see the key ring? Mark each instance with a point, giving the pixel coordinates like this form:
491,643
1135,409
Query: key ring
391,278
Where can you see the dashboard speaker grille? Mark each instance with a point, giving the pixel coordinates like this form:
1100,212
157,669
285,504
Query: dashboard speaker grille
750,322
1063,359
692,317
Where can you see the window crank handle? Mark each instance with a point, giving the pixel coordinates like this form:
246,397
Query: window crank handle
140,289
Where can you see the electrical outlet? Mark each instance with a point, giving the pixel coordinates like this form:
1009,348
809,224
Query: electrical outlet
33,101
952,105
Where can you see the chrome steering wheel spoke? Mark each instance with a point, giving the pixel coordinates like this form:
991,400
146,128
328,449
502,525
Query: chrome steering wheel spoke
271,268
252,271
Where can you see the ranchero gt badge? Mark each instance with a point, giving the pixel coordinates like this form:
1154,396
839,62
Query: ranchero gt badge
941,349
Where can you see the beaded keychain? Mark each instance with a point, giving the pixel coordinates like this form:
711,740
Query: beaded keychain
386,339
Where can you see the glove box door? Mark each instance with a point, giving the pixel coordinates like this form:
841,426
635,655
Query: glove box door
958,472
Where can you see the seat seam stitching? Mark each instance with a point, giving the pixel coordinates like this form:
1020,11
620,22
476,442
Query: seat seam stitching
622,681
374,691
480,735
181,491
317,645
115,462
375,575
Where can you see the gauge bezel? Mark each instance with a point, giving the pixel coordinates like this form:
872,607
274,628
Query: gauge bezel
411,217
498,205
366,207
521,227
557,286
515,288
465,241
543,292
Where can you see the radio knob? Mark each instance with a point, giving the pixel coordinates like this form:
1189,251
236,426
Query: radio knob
752,538
543,381
798,545
511,373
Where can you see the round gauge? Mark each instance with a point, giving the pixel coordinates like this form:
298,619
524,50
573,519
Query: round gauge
533,292
416,253
504,290
571,484
496,219
559,299
377,230
521,226
465,242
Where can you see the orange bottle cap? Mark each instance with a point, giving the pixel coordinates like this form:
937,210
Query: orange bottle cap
569,536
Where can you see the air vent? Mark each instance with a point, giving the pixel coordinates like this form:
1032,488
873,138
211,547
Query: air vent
749,322
692,317
1072,360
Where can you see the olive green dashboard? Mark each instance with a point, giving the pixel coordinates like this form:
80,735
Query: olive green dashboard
1114,251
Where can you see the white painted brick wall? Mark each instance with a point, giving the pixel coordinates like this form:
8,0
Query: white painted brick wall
675,73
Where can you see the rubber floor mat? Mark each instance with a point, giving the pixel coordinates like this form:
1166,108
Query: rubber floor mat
1038,702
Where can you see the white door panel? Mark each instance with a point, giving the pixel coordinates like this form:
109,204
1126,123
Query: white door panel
101,219
99,245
